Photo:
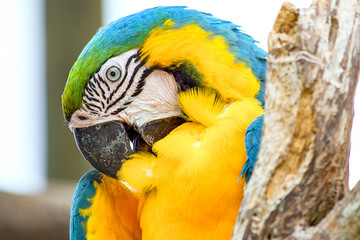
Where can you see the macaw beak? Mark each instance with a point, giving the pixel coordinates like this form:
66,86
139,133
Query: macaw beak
155,130
107,146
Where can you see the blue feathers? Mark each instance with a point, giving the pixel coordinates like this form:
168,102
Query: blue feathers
252,144
84,191
131,32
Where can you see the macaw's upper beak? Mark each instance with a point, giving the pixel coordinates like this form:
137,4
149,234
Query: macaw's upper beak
107,146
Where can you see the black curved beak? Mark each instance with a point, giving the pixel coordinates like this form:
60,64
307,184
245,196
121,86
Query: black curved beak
107,146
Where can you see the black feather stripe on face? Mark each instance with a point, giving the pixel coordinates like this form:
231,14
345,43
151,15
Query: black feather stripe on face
138,90
132,57
142,81
131,81
102,97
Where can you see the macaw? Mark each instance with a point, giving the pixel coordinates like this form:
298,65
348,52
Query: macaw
161,104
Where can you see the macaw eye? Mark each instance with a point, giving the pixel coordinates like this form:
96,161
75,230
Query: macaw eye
113,74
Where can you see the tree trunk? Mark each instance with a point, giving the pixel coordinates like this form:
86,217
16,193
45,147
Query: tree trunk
300,179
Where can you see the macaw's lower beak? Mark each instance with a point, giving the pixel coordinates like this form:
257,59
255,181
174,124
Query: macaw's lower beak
107,146
155,130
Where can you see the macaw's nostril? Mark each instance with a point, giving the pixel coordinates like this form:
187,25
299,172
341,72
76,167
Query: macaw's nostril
155,130
105,146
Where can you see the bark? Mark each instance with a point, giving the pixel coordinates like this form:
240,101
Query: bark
302,168
343,222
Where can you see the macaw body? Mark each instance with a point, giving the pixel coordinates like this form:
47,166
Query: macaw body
192,191
177,182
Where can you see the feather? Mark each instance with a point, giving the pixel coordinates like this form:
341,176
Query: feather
252,145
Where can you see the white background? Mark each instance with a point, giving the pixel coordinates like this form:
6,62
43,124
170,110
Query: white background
22,66
22,96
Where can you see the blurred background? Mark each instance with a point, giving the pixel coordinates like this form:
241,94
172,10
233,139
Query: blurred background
40,41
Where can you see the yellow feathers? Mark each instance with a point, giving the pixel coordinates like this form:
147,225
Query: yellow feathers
113,212
138,172
208,53
205,109
190,189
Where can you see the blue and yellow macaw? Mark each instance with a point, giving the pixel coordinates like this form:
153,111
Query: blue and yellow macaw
161,103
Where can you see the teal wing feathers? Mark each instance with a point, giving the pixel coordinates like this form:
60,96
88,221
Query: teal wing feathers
84,191
103,208
252,144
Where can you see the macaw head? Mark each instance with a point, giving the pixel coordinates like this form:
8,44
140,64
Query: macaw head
123,87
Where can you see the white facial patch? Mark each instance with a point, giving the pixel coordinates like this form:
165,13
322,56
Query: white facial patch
157,100
125,89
